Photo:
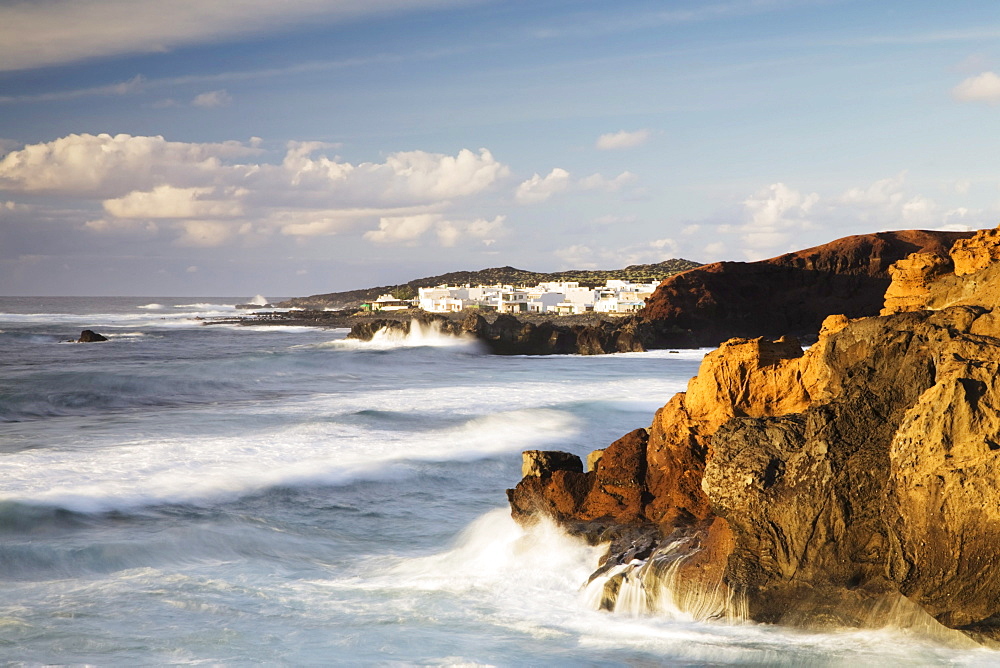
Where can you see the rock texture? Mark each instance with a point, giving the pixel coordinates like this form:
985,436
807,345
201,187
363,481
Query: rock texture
787,295
90,336
820,487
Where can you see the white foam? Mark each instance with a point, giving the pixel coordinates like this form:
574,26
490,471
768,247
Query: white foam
258,300
495,552
204,306
192,470
152,307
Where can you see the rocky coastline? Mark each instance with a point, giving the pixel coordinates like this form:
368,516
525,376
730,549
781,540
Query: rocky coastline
502,334
853,484
701,307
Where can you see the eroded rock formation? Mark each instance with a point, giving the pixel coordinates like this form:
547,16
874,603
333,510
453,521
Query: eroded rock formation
819,487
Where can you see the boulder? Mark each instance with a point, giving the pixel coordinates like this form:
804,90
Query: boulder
90,336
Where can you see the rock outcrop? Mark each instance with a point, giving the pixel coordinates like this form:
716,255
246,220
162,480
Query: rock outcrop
832,486
787,295
507,335
90,336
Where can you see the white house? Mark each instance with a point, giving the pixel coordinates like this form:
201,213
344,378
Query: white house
563,297
544,302
390,303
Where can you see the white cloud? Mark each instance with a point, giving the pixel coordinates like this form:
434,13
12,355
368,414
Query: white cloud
622,139
716,249
53,32
538,189
307,193
408,229
205,233
451,232
779,218
775,213
580,256
396,229
110,166
983,87
577,256
211,99
121,226
601,182
170,202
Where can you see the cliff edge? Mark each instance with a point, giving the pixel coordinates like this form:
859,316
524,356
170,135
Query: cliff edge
849,484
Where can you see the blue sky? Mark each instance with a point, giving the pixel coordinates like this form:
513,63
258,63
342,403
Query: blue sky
245,147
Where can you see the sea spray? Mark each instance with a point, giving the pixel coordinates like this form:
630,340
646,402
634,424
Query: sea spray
656,586
419,334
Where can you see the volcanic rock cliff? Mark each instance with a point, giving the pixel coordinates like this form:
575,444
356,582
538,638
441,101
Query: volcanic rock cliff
789,294
857,480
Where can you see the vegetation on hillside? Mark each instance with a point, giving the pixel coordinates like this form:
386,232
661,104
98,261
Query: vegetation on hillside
637,273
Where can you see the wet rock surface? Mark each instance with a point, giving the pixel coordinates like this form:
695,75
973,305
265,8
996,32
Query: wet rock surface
834,486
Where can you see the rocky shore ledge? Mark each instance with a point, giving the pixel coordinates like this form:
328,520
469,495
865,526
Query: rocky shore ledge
856,483
586,334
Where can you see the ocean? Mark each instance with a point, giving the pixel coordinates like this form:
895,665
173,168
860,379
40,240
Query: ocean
225,495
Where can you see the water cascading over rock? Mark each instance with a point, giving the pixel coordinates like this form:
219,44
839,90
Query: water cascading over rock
854,482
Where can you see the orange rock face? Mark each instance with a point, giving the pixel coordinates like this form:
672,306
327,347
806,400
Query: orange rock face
618,484
816,486
911,281
977,252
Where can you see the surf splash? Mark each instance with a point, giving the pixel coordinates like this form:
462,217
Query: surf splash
418,335
655,586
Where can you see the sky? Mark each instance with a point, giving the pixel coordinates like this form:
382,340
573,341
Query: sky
248,147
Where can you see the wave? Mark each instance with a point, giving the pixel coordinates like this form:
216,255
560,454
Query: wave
499,574
205,306
496,552
152,307
150,472
420,335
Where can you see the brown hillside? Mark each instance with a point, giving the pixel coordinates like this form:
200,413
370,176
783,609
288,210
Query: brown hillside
788,294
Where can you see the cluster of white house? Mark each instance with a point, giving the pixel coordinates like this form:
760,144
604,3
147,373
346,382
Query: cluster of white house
561,298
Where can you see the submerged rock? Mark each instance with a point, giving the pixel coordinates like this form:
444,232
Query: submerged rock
833,486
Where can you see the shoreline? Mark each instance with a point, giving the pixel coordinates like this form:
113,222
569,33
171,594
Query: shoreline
503,334
348,319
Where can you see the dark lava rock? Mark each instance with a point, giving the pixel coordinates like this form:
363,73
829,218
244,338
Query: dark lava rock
90,336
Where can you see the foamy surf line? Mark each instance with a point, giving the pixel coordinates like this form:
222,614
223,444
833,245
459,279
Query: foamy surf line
198,471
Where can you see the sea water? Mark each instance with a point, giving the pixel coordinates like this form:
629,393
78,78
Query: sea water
231,495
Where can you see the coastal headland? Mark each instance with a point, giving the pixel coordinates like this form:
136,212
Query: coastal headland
699,306
852,484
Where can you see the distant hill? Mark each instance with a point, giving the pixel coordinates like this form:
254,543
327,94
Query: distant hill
788,294
637,273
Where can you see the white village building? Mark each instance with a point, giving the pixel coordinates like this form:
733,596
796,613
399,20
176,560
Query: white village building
564,298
